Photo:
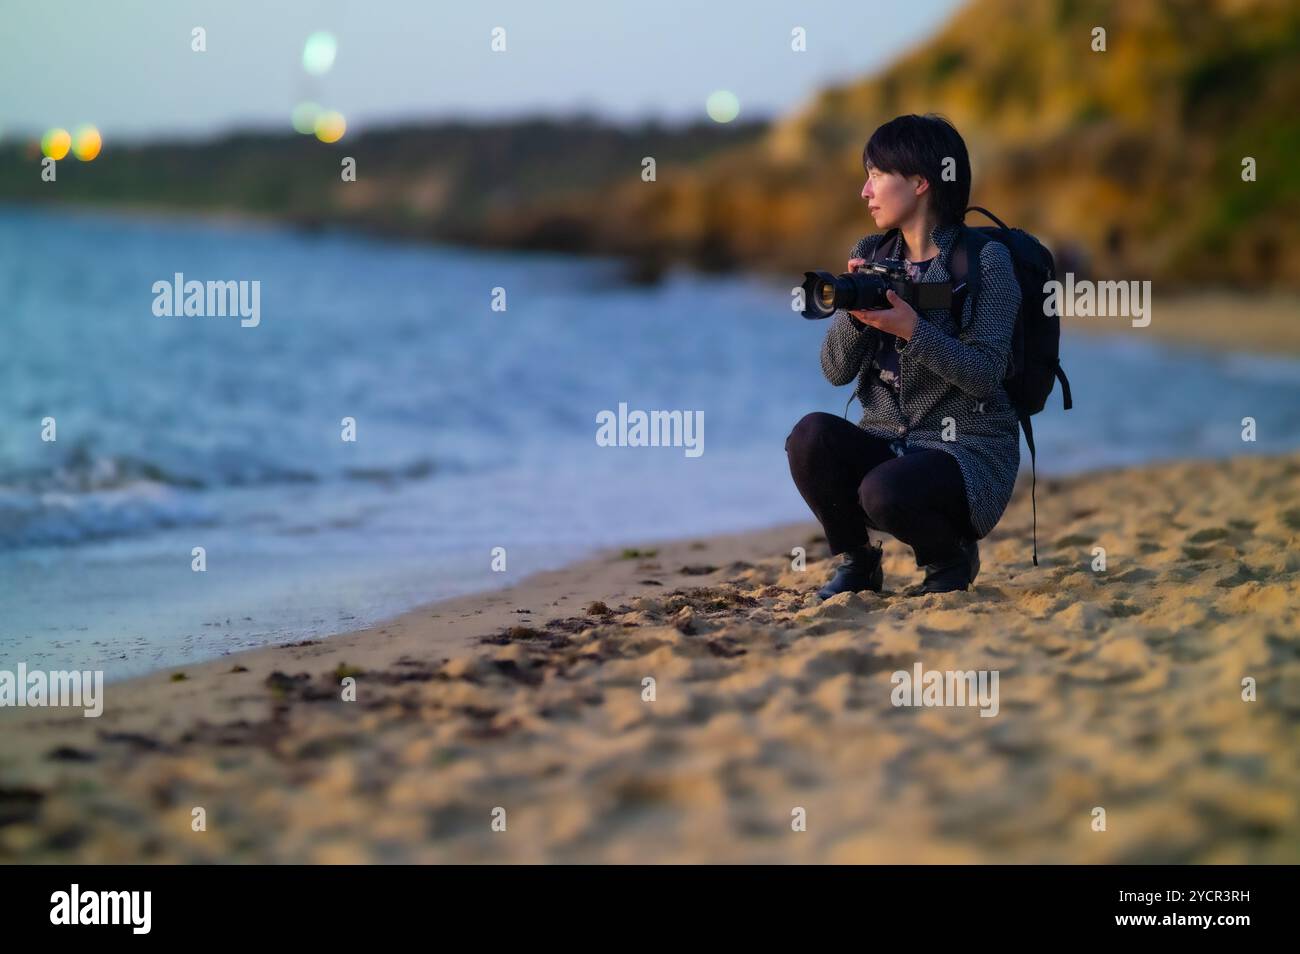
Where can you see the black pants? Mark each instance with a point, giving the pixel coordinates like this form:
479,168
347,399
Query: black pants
851,480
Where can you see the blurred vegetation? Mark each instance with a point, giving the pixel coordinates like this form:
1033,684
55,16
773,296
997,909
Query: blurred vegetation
1129,159
455,181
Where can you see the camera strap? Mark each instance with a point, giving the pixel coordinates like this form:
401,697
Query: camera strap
958,268
929,295
933,295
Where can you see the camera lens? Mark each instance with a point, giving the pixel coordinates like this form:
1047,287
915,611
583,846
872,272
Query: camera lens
824,293
826,296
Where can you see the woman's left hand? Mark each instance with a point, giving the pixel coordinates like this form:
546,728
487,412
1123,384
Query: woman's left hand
900,319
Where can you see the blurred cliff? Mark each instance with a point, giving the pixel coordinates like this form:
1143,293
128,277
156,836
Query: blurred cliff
1129,160
1134,154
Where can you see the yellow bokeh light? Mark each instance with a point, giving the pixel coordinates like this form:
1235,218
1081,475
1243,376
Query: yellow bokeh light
330,126
56,143
86,142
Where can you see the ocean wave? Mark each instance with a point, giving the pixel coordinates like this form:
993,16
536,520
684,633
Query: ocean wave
82,472
95,498
61,518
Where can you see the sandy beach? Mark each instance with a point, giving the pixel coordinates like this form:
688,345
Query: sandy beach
1119,689
1248,322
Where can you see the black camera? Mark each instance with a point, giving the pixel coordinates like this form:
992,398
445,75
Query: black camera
824,293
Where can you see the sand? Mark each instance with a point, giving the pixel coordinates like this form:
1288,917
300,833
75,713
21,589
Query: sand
1119,690
1256,322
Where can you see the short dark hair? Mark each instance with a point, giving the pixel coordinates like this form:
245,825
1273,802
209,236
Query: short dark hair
917,146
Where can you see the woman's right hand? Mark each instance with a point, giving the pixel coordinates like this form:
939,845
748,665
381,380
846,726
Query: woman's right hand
860,315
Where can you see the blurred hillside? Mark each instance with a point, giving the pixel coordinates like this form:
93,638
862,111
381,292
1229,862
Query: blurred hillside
1132,155
450,181
1135,153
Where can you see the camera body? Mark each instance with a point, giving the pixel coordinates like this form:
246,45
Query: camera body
864,290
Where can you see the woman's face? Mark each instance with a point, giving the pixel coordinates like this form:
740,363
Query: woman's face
891,198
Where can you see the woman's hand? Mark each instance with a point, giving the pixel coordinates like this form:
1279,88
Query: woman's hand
853,267
899,319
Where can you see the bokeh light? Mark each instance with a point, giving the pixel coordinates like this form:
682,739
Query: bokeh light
86,142
56,143
305,115
722,106
330,126
318,53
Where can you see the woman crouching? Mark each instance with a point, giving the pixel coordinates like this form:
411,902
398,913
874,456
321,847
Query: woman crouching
934,458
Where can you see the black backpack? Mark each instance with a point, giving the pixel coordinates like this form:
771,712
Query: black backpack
1035,362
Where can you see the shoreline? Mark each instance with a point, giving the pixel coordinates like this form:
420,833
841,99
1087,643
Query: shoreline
605,574
1119,689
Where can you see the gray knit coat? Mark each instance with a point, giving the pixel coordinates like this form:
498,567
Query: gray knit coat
945,371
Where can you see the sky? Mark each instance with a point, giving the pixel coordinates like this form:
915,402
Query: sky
127,65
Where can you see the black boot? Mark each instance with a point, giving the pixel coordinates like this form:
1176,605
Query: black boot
956,572
861,570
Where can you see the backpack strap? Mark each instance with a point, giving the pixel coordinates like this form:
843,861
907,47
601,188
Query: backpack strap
985,212
1065,386
1028,428
966,248
892,234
